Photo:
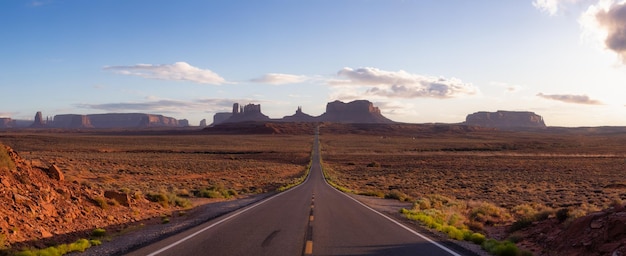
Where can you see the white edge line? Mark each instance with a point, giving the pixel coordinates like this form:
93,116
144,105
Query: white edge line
224,219
397,223
405,227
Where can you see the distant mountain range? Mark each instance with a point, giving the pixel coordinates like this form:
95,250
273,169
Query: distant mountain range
111,120
355,112
359,111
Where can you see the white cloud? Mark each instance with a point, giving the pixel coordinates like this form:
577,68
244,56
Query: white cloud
509,87
401,84
6,114
396,108
280,79
181,71
156,105
551,7
605,23
37,3
571,98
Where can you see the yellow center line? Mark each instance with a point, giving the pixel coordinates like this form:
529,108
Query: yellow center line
308,249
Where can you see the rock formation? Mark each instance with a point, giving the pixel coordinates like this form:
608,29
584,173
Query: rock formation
39,122
120,197
40,210
202,123
55,173
72,121
250,112
299,116
221,117
505,119
6,122
358,111
121,120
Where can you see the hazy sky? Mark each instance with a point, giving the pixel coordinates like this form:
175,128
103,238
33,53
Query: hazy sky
419,61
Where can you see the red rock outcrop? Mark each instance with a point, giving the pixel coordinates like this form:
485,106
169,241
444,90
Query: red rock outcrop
39,122
6,122
247,113
121,198
116,120
358,111
72,121
299,116
506,119
35,207
219,118
599,233
55,173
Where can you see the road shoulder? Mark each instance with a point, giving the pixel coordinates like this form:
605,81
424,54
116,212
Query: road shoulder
391,208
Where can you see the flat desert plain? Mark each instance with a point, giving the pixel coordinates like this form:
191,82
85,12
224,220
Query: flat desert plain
537,190
505,168
180,164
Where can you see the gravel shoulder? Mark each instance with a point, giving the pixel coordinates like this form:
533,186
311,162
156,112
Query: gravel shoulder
391,208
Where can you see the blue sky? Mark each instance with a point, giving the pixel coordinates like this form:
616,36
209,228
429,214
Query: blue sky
419,61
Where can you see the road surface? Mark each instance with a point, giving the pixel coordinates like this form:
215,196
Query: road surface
311,219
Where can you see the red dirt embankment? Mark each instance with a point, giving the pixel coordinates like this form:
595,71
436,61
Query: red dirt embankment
40,208
599,233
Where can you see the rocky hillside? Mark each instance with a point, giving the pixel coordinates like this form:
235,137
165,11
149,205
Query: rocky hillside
39,207
599,233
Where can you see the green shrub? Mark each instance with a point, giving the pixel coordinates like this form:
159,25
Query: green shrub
520,224
3,242
95,242
5,159
182,202
98,232
515,238
422,204
562,215
396,194
167,199
230,193
498,248
373,164
79,246
477,238
158,198
102,202
489,213
209,193
379,194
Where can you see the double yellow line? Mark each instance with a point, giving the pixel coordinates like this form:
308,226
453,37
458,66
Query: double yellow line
308,246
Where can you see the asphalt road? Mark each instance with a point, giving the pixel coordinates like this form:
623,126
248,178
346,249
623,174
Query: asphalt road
311,219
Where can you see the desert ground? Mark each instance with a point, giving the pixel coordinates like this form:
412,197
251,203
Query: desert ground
173,163
504,168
